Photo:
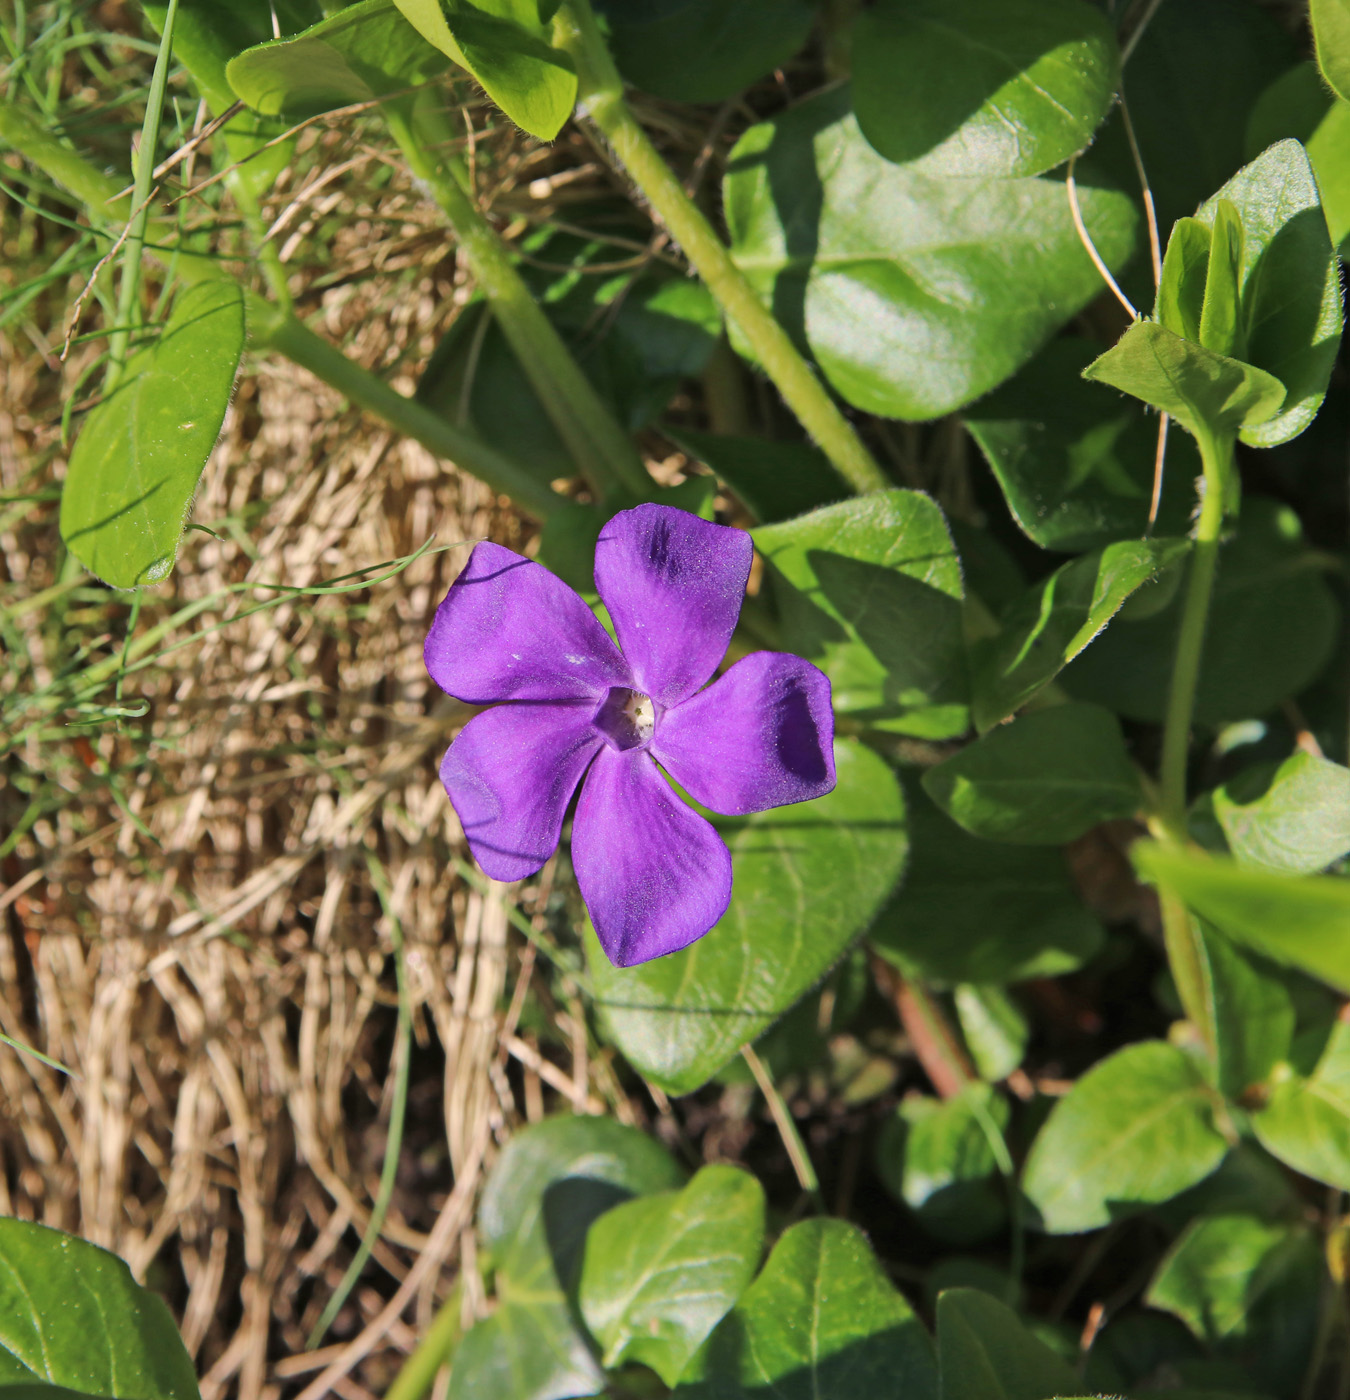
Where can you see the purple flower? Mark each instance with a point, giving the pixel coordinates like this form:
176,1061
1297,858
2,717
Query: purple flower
654,874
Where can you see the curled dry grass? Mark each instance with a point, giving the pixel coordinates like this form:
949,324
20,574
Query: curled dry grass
209,860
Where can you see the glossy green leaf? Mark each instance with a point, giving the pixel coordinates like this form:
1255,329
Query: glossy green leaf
1253,1012
40,1390
1208,393
362,51
662,1271
206,36
994,1028
504,45
140,453
1055,621
1221,321
1271,629
807,881
1136,1129
870,590
982,87
938,1156
703,50
978,911
1331,33
822,1319
1290,286
1299,821
1298,920
1074,459
774,480
1305,1121
71,1314
914,294
1041,781
1185,272
553,1181
986,1353
1247,1287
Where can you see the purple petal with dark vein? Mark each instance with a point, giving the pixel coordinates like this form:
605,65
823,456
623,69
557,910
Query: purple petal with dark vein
510,775
760,736
655,876
673,585
509,630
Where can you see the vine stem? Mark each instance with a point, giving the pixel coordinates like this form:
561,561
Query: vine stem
600,99
1185,955
597,444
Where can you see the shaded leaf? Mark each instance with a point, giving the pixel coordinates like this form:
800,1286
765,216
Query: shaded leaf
821,1319
774,480
986,1353
526,1350
993,1027
1185,273
662,1271
1305,1122
1299,821
982,87
977,911
1136,1129
71,1314
1253,1012
807,881
1300,921
140,452
915,294
1074,459
1055,620
1043,780
870,590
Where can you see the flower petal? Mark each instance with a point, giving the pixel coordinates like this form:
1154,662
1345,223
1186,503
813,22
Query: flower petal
509,630
510,775
673,585
655,876
760,736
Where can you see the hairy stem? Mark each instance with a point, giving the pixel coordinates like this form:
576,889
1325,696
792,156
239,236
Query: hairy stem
598,445
600,97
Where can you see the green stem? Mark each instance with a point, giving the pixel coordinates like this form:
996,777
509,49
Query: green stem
600,96
143,162
273,269
598,445
432,1352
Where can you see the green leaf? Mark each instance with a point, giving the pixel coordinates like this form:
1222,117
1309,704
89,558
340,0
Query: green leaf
915,295
976,911
553,1181
1185,272
1272,627
993,1027
662,1271
1074,459
1300,921
1299,821
1221,321
1209,394
985,1353
1331,33
982,87
939,1158
1290,286
363,51
1247,1287
822,1319
71,1314
774,480
504,45
1253,1012
870,590
1055,621
1305,1122
141,451
807,881
1043,780
1136,1129
703,50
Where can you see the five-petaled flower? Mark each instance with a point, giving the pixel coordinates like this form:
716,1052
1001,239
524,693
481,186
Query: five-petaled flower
654,874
